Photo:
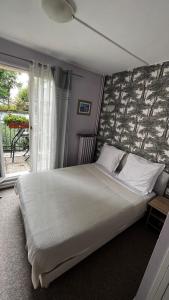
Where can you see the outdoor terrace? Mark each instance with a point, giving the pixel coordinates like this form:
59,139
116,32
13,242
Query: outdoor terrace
15,138
21,163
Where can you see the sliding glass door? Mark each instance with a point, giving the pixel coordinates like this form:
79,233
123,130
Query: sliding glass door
14,122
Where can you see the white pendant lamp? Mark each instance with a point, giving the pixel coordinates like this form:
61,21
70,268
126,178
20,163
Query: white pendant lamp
58,10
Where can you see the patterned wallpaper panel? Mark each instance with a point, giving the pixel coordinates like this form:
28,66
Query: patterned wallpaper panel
135,112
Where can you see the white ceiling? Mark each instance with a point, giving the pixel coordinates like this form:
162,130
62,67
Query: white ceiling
141,26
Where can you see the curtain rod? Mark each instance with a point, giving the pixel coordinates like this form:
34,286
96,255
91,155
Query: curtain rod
31,61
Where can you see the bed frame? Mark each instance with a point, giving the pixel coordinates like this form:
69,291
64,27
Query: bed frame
47,278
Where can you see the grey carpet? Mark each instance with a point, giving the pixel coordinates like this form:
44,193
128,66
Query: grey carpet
113,272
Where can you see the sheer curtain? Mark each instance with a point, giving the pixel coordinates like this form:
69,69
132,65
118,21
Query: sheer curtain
2,168
43,133
50,95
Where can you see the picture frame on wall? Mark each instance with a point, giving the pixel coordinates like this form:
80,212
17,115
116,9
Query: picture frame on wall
84,107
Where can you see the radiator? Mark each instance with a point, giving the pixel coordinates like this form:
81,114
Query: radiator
86,149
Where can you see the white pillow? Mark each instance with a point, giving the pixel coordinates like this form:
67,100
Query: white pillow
140,173
110,157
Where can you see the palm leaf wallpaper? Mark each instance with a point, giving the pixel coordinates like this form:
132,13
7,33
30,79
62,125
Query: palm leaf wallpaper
135,112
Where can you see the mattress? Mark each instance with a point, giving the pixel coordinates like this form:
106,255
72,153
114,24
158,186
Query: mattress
68,211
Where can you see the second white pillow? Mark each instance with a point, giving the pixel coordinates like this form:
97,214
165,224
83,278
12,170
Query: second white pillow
140,173
110,157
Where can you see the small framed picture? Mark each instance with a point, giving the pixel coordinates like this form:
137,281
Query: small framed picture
84,107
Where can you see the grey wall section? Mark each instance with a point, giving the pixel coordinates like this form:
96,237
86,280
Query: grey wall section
87,88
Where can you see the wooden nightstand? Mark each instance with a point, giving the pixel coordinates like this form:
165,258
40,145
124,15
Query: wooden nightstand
158,209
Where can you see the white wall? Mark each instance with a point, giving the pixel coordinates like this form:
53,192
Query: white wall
155,263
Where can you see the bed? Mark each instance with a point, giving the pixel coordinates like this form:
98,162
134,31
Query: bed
69,213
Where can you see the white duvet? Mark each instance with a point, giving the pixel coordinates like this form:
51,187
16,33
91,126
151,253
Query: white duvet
67,211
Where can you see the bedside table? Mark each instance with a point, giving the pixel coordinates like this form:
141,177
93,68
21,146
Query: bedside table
158,210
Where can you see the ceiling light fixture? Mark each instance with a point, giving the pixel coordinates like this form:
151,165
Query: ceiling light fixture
63,11
59,10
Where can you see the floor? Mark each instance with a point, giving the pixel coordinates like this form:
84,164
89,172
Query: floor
19,164
113,272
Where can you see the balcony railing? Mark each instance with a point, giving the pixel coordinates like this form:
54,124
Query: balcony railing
9,133
7,136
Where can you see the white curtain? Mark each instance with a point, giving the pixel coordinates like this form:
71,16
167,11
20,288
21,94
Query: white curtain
2,167
43,131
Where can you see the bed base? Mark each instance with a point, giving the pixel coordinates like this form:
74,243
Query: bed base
46,278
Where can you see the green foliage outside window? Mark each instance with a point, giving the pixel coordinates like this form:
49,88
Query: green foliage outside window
8,80
4,107
14,119
21,100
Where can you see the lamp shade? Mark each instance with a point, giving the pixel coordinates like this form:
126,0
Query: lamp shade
58,10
